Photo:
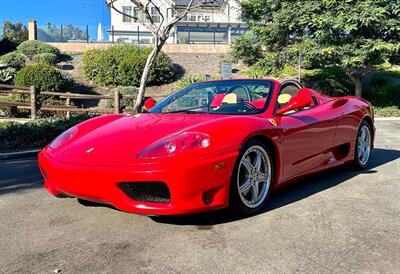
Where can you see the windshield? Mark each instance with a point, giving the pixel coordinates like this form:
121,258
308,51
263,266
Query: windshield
219,97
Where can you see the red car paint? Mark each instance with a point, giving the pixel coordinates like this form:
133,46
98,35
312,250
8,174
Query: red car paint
103,152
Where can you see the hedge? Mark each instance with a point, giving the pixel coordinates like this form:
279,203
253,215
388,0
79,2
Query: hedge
13,59
36,134
44,77
45,58
31,48
123,65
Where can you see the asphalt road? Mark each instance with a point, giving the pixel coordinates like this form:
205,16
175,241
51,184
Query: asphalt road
337,222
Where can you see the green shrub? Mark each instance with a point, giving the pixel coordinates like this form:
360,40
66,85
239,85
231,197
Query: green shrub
129,90
387,111
31,48
36,134
45,58
13,59
6,74
123,65
190,79
187,80
382,92
246,48
44,77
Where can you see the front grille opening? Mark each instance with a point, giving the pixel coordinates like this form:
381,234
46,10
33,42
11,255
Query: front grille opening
154,192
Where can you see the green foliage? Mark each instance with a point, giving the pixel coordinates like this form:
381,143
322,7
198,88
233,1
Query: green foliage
17,33
354,35
331,81
44,77
45,58
191,79
383,89
6,74
387,111
123,65
13,59
187,80
247,49
36,134
129,90
7,46
32,48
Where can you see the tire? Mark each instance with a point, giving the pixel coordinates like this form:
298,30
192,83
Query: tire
252,179
363,149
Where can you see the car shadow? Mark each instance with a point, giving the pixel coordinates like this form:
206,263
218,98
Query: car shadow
288,194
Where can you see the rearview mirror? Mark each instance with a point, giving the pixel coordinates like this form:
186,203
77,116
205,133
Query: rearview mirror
296,102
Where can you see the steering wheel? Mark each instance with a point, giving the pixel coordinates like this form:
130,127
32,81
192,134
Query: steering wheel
232,89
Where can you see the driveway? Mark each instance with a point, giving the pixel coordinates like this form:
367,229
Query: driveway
337,222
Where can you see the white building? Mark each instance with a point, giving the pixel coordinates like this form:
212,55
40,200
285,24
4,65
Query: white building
219,23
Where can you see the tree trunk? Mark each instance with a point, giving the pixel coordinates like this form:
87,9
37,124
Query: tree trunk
158,44
358,84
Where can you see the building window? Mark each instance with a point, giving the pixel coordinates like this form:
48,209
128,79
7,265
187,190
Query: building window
155,15
207,18
192,17
128,11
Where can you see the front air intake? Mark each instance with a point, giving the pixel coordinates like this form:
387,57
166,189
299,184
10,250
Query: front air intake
154,192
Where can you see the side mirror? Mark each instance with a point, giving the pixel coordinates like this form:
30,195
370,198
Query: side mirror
296,102
149,103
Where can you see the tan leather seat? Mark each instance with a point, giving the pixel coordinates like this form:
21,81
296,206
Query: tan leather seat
230,98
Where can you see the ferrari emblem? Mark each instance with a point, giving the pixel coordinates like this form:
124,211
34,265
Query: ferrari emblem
273,122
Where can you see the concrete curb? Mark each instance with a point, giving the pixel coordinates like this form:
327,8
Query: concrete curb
19,155
387,118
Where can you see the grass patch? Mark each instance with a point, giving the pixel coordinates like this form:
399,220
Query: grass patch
36,134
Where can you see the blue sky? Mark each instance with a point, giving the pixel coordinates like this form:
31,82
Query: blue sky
76,12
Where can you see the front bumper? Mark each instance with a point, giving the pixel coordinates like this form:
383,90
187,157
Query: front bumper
195,185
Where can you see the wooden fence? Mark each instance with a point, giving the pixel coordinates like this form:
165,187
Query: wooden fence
68,108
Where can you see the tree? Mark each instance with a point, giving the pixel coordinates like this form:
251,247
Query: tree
17,32
355,35
160,29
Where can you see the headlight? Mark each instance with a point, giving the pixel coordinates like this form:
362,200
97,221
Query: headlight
63,138
176,144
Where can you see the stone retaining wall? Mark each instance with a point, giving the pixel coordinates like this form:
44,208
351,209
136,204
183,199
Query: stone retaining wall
168,48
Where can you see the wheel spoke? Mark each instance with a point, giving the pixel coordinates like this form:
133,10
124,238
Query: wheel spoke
254,190
257,162
363,135
262,177
359,151
244,189
246,163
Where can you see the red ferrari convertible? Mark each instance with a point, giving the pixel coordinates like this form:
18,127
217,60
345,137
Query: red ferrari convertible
209,146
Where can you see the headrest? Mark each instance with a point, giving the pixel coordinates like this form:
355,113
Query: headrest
230,98
284,98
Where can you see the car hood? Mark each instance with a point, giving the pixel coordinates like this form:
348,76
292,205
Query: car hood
119,141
